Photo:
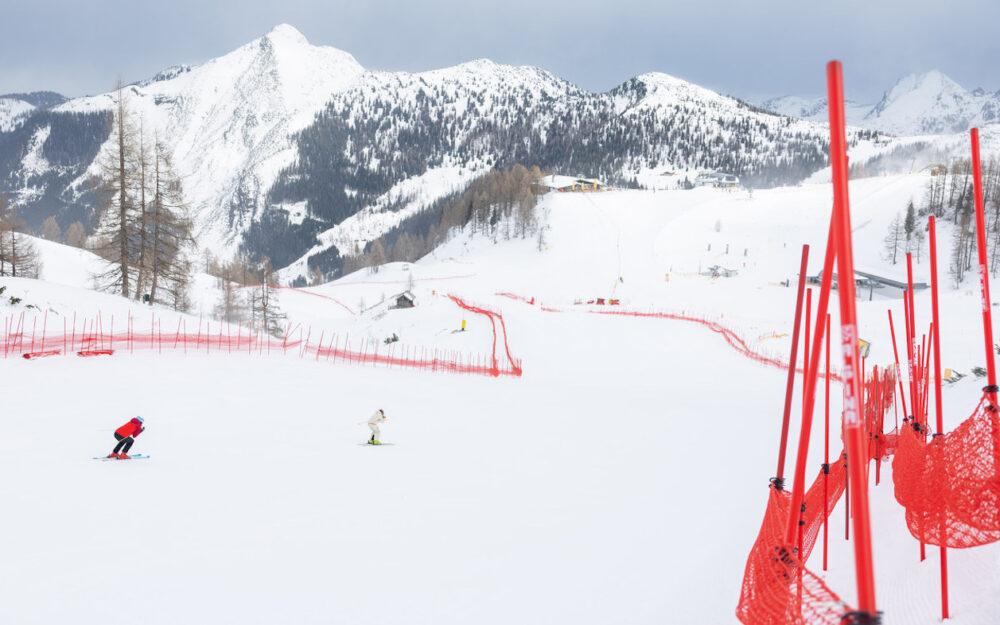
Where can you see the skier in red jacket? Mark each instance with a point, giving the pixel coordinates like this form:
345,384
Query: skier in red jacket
125,435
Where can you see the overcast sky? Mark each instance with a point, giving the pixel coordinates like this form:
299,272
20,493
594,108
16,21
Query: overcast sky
748,49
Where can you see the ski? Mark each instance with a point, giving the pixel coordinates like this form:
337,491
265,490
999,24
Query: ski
379,445
135,457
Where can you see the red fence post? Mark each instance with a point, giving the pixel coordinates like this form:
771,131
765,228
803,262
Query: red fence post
849,343
826,449
984,277
45,325
805,355
790,384
939,418
895,352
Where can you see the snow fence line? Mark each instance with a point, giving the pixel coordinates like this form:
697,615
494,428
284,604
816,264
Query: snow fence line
777,587
511,364
734,340
94,339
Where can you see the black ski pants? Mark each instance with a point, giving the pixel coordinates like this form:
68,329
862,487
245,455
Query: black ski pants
124,443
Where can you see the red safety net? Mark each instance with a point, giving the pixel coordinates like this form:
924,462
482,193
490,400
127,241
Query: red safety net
511,364
950,485
777,589
100,336
740,344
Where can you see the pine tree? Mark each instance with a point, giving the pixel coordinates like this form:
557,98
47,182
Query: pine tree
269,314
50,230
169,231
18,256
76,235
117,234
376,255
893,239
910,222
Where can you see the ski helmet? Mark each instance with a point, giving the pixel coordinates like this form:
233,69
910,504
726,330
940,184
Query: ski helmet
139,419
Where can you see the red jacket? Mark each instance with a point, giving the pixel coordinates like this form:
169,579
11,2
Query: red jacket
133,428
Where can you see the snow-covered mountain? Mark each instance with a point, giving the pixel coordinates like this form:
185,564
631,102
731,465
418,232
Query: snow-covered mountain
294,150
15,107
229,122
919,104
11,111
815,109
932,103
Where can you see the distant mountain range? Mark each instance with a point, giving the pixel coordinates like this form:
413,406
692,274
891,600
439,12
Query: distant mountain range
298,152
918,104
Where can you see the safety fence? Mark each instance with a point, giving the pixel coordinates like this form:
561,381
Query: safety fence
511,364
745,346
302,291
33,338
950,485
777,587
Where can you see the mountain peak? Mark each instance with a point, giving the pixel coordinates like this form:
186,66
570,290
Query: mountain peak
286,32
930,81
929,103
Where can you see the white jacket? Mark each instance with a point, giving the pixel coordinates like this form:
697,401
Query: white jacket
377,418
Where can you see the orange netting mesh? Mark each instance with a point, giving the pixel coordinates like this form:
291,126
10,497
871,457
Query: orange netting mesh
950,485
777,589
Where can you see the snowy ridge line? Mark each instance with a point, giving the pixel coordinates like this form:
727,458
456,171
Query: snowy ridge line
298,290
92,339
494,317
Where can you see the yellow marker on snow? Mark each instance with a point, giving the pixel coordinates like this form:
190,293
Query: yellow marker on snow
463,325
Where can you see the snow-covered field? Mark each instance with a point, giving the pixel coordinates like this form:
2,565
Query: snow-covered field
621,479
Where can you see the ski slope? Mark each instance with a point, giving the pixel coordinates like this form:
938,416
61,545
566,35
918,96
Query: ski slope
621,479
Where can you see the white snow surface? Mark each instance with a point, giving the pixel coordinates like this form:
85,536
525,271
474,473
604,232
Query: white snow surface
621,479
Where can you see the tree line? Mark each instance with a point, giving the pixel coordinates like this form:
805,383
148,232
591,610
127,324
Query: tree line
144,232
248,292
950,197
498,205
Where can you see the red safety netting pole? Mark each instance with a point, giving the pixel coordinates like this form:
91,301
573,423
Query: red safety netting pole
805,340
780,475
863,566
914,361
808,390
895,352
984,278
826,449
936,339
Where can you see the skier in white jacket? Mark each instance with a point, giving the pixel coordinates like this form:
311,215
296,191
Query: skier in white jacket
376,418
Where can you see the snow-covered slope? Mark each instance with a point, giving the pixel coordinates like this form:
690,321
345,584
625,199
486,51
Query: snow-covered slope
569,488
11,111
